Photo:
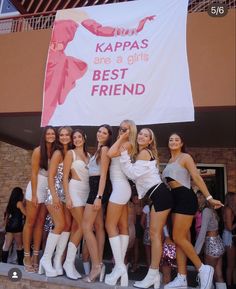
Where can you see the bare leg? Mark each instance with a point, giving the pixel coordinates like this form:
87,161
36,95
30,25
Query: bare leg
76,235
114,212
88,226
218,271
123,221
230,252
212,261
68,219
157,222
166,271
31,214
181,227
8,241
148,254
18,239
58,218
38,233
100,234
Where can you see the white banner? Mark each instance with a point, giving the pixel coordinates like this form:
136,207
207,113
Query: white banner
118,61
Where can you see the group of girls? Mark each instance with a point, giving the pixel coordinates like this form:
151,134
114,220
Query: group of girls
72,185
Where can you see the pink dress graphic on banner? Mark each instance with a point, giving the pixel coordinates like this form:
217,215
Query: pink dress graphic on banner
63,71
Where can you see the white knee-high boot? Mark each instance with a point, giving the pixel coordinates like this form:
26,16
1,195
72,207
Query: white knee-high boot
61,245
220,285
124,241
69,264
45,264
152,278
86,266
119,271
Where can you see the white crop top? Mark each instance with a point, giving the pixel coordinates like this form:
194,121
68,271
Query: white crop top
145,174
43,172
178,173
94,168
80,167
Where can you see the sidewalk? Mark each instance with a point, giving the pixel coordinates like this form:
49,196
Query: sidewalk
36,281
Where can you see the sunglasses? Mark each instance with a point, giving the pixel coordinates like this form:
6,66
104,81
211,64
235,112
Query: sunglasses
122,129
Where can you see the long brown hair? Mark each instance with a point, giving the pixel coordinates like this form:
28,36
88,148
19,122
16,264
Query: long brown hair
183,148
44,156
107,143
79,130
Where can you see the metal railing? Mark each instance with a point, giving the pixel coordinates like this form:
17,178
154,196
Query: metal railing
27,22
202,5
45,20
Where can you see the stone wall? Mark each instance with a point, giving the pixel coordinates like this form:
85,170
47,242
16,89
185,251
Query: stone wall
15,165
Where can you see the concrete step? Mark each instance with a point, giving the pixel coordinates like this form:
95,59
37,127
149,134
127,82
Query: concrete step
36,281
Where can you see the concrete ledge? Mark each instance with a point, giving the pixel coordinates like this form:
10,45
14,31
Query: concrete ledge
36,281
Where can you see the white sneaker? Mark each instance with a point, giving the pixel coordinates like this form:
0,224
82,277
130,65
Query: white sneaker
179,282
206,275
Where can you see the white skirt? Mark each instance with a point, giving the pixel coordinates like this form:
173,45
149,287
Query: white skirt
79,192
121,192
41,189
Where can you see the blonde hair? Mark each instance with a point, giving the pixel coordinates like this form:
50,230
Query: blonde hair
153,145
132,135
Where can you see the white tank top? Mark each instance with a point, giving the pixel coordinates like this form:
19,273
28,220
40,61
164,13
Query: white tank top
116,172
80,168
94,168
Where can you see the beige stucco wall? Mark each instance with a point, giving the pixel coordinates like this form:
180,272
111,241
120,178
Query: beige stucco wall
211,54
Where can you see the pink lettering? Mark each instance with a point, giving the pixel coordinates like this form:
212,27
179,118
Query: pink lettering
99,47
144,43
126,45
140,88
94,89
117,89
108,48
96,74
134,45
109,74
118,45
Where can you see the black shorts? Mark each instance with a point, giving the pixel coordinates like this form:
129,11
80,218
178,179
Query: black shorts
161,197
93,185
185,201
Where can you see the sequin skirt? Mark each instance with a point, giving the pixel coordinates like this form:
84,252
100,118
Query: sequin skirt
214,246
146,237
168,255
48,225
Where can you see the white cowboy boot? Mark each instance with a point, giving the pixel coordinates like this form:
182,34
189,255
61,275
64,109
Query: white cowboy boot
69,264
220,285
152,278
119,271
61,245
45,264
